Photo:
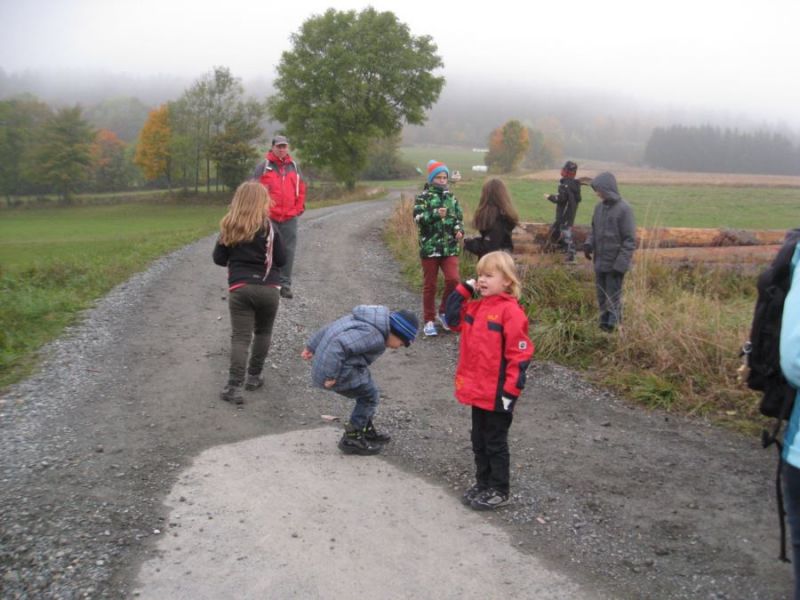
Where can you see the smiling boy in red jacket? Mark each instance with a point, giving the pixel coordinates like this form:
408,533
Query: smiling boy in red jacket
494,354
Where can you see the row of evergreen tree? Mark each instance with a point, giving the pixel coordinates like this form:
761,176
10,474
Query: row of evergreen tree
713,149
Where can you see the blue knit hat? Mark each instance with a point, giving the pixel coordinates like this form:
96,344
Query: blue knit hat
404,324
434,168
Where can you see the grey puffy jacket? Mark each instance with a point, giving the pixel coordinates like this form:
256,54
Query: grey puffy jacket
344,349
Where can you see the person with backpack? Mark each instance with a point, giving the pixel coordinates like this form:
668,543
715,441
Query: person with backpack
281,176
790,368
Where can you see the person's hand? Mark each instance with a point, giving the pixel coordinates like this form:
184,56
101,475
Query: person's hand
547,196
329,383
442,211
587,252
306,354
459,235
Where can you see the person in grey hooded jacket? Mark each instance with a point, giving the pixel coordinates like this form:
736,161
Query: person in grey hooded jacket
610,244
342,352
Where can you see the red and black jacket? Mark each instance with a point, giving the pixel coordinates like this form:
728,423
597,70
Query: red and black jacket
495,349
285,185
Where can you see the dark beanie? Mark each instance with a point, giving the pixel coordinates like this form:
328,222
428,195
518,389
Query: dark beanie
404,324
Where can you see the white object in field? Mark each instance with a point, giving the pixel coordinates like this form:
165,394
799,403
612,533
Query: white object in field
456,176
480,168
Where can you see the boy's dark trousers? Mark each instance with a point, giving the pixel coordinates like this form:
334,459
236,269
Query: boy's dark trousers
366,397
609,297
490,445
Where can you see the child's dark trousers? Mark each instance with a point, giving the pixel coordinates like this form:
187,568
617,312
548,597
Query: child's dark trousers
490,445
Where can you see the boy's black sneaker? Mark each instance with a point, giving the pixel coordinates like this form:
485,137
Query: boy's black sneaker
471,493
286,292
489,500
373,435
253,382
354,442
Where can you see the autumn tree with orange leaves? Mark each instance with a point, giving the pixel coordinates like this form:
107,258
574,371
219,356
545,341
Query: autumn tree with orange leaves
110,170
507,147
153,150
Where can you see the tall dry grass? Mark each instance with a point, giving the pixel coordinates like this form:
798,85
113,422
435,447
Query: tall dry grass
677,348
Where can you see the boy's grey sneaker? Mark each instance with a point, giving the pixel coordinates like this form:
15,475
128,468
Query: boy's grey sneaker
354,442
443,322
471,493
489,499
286,292
253,382
373,435
232,393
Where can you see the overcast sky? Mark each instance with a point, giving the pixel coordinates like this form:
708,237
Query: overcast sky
731,56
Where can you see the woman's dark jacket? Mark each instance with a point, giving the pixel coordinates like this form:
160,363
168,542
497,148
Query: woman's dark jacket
247,261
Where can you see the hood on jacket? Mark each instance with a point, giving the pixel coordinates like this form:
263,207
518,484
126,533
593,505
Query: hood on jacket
375,315
606,184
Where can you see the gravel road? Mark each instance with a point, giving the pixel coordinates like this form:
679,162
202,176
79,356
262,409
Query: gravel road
616,500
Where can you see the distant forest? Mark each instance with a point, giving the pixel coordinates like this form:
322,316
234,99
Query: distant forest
582,124
713,149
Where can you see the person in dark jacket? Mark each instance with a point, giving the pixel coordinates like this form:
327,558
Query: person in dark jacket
281,176
566,201
610,244
493,357
252,249
342,352
495,219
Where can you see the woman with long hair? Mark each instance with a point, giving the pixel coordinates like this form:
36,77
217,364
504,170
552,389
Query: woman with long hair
495,219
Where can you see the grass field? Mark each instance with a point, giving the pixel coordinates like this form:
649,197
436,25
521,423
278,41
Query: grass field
660,205
659,198
55,262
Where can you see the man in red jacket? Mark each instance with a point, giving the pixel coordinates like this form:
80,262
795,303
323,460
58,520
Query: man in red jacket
284,182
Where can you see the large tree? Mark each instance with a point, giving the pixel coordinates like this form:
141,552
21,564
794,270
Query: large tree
349,78
63,157
232,149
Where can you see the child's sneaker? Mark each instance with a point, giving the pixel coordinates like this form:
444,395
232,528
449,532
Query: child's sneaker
373,435
232,393
443,322
354,442
430,329
253,382
471,493
489,500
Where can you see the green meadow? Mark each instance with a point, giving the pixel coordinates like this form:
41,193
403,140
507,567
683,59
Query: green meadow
655,205
54,262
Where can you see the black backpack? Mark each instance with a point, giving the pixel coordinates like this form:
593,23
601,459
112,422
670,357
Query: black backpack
764,361
763,349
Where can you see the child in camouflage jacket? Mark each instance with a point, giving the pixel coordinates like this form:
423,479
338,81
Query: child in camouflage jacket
440,225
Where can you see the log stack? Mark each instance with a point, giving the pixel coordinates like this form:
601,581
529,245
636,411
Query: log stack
670,243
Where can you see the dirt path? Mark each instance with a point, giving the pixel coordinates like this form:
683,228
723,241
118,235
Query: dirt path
607,498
